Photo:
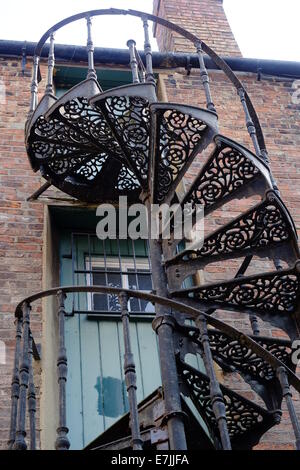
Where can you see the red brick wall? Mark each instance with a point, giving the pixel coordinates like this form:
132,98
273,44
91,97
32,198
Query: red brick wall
204,18
21,223
280,120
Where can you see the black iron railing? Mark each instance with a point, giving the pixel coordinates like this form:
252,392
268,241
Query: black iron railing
23,378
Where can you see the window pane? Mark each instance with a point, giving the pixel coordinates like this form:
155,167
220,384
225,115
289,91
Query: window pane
99,300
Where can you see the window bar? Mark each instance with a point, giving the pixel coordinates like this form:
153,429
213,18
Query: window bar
216,395
205,78
90,49
31,397
136,274
20,443
148,53
34,86
120,262
74,254
286,392
133,61
62,442
105,272
15,385
51,63
90,269
130,374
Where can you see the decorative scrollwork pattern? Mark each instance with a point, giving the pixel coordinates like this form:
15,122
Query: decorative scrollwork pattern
261,227
130,116
267,293
238,356
226,171
179,137
76,141
242,415
92,124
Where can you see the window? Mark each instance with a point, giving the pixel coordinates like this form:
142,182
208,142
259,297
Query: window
130,273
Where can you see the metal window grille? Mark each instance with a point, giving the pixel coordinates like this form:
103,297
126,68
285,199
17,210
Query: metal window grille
114,263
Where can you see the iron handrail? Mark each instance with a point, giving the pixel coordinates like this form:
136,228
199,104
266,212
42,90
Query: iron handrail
175,305
218,61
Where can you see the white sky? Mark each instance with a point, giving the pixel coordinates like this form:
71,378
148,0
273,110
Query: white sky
267,29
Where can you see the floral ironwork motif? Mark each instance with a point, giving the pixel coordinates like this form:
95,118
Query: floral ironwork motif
76,142
179,137
242,415
92,125
130,117
267,293
264,225
226,171
238,356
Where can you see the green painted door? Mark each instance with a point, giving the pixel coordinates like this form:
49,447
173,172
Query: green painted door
96,392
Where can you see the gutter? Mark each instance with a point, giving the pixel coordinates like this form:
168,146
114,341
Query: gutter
161,60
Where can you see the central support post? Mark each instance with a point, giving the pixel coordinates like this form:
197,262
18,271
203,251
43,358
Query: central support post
163,325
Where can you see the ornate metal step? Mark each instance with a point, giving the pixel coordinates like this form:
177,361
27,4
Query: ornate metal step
234,355
226,175
274,296
126,110
94,153
179,133
258,231
246,421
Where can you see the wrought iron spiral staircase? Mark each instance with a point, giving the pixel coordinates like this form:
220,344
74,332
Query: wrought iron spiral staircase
96,146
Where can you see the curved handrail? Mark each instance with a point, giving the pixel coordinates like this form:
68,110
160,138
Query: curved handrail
229,330
168,24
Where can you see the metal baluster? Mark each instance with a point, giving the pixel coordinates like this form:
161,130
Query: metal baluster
130,375
249,123
217,398
51,63
205,78
253,318
148,53
62,441
286,392
254,325
20,443
262,153
133,61
31,397
90,49
142,71
34,86
15,385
